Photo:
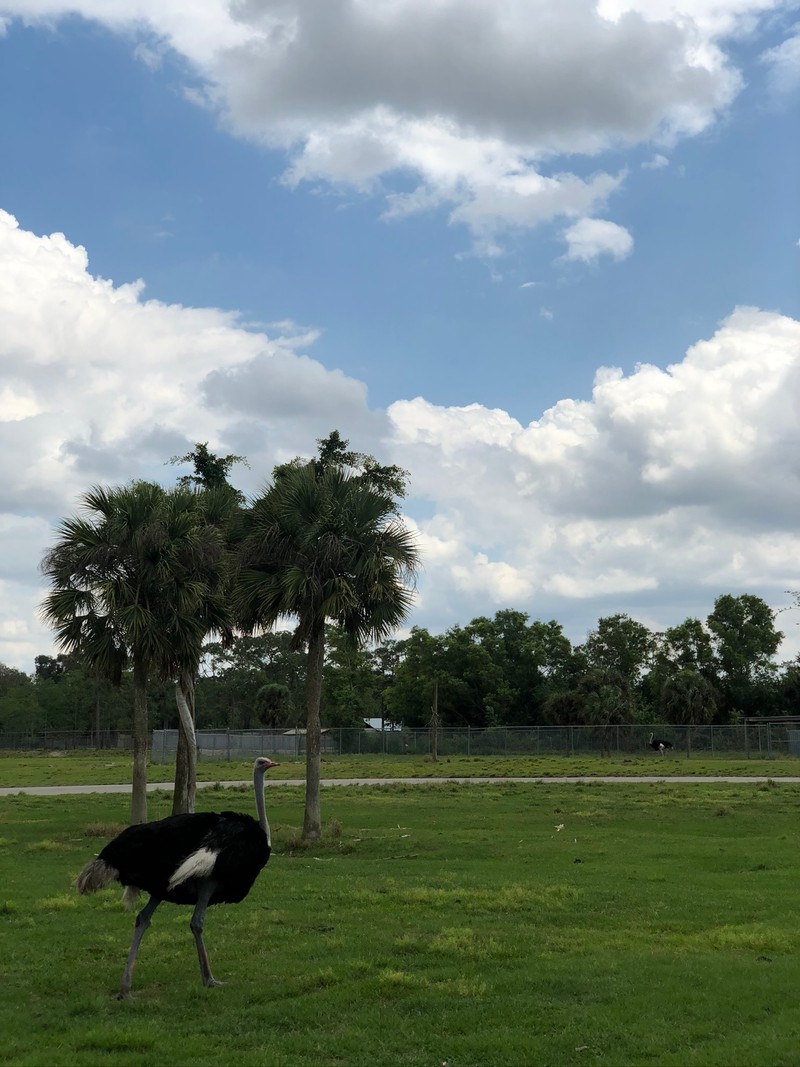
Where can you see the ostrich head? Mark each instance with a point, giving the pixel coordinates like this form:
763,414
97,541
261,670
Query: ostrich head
263,764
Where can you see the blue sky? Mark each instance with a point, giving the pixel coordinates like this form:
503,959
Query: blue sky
431,225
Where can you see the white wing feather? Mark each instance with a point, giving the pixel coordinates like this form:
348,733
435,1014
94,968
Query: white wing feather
198,865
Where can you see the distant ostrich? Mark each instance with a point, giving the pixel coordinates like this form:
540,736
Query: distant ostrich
199,859
657,745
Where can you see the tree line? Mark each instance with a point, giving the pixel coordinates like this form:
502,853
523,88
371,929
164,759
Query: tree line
500,671
511,671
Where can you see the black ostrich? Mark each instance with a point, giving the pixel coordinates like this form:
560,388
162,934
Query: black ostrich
658,745
200,859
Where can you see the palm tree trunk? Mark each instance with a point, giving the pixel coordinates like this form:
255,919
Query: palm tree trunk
140,729
186,756
312,822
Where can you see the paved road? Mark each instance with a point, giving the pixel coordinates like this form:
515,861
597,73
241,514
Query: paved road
68,790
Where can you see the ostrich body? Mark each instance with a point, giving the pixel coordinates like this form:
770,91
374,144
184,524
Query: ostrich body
200,859
658,745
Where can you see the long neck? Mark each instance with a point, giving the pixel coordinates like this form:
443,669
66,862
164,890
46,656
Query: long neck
258,785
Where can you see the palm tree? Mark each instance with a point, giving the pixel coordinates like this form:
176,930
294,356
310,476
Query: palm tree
202,565
218,504
129,588
323,543
689,698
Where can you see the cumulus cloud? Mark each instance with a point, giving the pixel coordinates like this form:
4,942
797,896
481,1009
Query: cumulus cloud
674,483
94,374
472,101
784,64
664,488
722,18
587,239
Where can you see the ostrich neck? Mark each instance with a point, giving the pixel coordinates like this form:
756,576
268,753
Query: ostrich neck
258,785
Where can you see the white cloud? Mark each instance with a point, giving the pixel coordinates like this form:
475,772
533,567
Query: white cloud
784,64
658,162
102,385
587,239
724,18
473,100
665,488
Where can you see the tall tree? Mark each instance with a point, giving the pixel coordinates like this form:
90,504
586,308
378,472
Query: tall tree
386,658
350,685
745,640
210,471
408,699
621,644
688,646
124,590
205,561
19,708
324,543
599,696
218,503
688,697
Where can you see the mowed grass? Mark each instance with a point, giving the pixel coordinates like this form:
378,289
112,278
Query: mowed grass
114,768
462,924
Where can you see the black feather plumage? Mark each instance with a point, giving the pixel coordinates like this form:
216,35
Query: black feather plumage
146,856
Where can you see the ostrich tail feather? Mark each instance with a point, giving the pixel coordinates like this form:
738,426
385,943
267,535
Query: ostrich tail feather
97,874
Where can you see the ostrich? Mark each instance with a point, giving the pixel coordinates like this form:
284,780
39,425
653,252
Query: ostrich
200,859
657,745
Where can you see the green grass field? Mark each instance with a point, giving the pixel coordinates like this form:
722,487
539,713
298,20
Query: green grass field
468,924
110,767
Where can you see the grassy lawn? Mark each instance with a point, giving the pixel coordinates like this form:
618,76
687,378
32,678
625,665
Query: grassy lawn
504,924
110,767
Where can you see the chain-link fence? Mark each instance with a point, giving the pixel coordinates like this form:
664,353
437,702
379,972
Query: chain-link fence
757,740
64,740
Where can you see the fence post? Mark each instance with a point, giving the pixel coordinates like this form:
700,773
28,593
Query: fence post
469,747
712,740
228,743
769,740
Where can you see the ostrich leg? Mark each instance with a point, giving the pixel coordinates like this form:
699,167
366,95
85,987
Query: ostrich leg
142,922
196,926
